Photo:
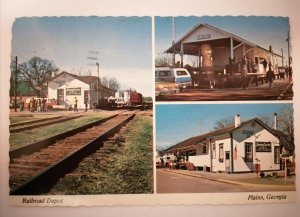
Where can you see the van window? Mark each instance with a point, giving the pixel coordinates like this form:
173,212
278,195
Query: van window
164,73
181,73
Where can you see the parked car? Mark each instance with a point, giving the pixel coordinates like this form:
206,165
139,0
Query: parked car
12,104
171,80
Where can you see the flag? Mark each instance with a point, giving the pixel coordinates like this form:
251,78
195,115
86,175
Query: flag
235,153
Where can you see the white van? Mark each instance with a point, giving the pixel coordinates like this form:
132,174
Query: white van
171,79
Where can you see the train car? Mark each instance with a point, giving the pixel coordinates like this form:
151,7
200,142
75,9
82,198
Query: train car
136,98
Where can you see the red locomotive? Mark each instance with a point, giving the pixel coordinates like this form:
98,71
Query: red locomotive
136,98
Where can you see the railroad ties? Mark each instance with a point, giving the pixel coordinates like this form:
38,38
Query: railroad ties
18,127
35,173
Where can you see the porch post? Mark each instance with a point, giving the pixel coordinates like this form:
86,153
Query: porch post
211,154
231,153
231,48
181,55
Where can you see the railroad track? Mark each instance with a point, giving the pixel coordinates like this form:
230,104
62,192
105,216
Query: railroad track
35,173
18,127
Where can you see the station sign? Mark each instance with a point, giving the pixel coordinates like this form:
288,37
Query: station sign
263,147
205,36
73,91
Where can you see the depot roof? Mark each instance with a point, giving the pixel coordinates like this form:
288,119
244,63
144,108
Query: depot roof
215,36
205,138
86,79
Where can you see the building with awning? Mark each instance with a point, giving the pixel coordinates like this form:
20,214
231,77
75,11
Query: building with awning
220,52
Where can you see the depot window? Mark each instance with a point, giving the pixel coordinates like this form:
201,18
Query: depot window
221,152
276,155
204,149
214,150
248,152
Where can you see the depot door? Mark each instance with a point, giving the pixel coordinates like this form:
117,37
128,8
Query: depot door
86,97
227,161
60,96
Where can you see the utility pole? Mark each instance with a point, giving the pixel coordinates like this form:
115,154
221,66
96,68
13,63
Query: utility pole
173,41
289,58
15,85
97,83
282,64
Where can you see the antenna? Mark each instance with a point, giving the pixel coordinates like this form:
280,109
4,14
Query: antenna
92,60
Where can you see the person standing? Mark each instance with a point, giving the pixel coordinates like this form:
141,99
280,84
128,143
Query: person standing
265,64
86,105
31,103
270,77
270,66
244,72
43,105
39,105
75,104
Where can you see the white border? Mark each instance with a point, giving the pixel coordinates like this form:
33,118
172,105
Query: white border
14,8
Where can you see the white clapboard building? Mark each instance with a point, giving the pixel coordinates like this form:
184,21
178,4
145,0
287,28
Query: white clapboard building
237,148
65,86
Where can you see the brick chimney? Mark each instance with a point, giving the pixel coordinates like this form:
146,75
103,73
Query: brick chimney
237,120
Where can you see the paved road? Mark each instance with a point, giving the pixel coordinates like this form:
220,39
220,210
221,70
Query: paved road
262,92
169,182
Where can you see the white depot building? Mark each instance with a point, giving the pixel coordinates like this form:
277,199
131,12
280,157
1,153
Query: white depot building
238,148
65,86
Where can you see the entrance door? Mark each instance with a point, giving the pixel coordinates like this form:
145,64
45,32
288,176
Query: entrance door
227,161
60,96
86,96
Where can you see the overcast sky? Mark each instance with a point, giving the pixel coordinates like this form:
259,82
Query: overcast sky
262,31
175,123
121,44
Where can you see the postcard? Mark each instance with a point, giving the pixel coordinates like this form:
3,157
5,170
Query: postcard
102,113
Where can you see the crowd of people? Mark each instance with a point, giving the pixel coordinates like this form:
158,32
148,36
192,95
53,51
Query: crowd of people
35,104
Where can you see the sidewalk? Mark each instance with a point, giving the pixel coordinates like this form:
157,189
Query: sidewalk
248,179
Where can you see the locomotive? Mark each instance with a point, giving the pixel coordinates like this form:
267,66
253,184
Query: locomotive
130,100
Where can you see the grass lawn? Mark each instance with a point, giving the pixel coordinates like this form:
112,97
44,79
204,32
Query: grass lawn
20,139
126,169
269,181
18,119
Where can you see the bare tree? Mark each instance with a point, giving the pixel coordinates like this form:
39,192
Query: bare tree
36,71
111,83
224,122
286,120
194,60
286,125
268,120
163,60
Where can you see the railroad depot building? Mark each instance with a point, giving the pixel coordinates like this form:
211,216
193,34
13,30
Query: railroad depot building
234,149
65,86
219,52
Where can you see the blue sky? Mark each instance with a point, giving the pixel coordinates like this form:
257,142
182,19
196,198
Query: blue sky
263,31
177,122
123,44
